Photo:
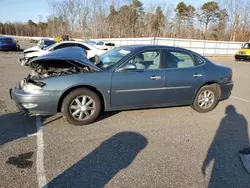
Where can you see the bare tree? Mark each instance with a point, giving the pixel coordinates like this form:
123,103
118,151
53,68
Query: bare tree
53,8
234,8
227,20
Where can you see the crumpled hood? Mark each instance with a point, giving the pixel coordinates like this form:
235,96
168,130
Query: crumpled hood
69,53
33,49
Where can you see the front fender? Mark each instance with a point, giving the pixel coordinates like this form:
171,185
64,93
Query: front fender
101,81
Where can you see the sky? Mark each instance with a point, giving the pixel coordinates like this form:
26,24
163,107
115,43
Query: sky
38,10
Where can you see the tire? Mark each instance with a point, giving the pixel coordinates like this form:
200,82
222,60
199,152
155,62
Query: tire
198,104
32,66
84,115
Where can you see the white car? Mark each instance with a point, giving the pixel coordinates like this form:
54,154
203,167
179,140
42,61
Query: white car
100,44
42,43
35,52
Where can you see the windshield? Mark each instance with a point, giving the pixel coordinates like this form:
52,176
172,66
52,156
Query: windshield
246,46
111,57
49,46
49,42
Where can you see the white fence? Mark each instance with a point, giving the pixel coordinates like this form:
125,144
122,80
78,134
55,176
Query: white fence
203,47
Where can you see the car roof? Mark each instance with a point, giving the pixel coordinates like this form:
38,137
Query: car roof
71,41
4,37
151,46
76,42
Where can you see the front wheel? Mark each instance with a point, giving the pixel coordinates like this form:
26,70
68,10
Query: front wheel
206,99
81,107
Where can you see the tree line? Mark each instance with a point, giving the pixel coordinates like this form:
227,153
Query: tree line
223,20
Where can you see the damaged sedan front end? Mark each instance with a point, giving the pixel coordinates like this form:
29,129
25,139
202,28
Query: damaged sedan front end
33,95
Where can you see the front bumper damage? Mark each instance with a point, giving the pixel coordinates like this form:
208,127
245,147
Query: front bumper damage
40,102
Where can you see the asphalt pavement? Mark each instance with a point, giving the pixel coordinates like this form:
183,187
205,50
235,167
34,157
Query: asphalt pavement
162,147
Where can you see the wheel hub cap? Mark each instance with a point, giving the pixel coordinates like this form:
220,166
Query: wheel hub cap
206,99
83,108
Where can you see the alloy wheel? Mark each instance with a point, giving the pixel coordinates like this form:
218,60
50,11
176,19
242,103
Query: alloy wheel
82,107
206,99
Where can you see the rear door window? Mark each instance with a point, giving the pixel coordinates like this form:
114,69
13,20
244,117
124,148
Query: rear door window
179,59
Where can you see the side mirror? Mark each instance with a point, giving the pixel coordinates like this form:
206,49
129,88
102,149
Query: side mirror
128,67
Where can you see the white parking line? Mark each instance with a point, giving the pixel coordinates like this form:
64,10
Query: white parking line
40,171
240,99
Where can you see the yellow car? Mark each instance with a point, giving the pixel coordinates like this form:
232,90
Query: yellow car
243,53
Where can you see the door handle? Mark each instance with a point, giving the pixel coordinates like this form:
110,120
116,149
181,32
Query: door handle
197,75
155,77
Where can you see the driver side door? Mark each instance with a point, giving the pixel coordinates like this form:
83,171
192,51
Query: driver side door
141,87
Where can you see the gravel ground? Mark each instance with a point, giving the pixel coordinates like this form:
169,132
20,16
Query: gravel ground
164,147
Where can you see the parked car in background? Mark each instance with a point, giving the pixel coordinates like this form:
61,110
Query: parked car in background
90,50
43,43
100,44
243,53
127,77
8,43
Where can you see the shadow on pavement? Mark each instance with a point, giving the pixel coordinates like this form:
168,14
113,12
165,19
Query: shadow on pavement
54,118
21,161
14,126
231,136
106,115
103,163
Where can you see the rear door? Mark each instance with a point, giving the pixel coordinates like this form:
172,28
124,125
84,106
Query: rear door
183,77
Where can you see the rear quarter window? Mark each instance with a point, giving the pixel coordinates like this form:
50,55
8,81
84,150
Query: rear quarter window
199,60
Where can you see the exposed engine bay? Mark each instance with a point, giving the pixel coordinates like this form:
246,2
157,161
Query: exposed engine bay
48,68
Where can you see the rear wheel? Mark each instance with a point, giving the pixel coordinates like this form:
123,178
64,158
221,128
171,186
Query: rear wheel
206,99
81,107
